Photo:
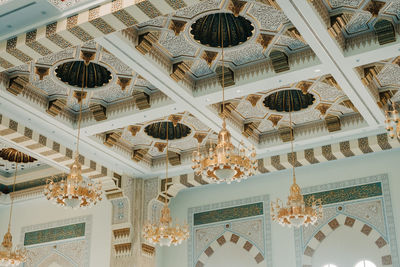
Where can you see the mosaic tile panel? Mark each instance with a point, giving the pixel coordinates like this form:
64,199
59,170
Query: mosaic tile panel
55,234
347,194
228,214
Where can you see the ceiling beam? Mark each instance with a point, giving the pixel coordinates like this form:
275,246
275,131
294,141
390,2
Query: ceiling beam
125,51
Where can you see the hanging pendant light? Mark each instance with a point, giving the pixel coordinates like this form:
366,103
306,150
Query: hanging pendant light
225,163
164,233
10,256
74,191
296,212
393,121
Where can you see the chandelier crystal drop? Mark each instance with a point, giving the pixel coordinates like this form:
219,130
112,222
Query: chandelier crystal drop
225,163
393,122
75,191
10,256
296,212
164,233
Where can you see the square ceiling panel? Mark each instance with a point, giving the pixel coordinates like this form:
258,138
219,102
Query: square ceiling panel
55,82
255,30
146,142
317,102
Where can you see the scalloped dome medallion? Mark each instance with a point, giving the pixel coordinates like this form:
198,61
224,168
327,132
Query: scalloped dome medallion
158,130
282,101
208,30
72,73
13,155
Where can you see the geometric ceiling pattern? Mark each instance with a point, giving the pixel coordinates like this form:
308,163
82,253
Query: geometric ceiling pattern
337,59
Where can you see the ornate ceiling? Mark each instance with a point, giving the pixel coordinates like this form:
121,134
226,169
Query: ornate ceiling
331,58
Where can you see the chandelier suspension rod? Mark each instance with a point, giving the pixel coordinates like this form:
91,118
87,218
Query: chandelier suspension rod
223,68
292,136
166,169
84,79
12,199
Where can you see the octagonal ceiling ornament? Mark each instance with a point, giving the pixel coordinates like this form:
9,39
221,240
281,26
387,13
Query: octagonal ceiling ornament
288,100
71,73
158,130
209,29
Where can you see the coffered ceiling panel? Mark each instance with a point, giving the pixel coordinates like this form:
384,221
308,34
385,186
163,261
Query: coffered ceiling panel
311,101
146,141
176,39
55,82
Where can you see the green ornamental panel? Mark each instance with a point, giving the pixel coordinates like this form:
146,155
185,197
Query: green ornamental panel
54,234
347,194
227,214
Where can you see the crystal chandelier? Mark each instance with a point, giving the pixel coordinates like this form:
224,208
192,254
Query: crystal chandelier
164,233
393,122
75,191
296,212
225,163
10,256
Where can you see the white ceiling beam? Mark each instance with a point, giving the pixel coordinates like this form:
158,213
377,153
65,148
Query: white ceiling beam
316,35
373,54
271,82
124,50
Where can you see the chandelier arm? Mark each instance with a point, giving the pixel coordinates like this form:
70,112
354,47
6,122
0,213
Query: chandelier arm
12,199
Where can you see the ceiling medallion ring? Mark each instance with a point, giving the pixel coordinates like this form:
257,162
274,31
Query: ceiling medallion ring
110,83
310,107
251,39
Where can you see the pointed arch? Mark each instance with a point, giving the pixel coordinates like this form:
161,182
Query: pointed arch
346,221
237,240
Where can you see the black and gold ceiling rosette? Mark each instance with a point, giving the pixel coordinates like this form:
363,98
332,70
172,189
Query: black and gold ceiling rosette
210,29
75,73
158,130
288,100
13,155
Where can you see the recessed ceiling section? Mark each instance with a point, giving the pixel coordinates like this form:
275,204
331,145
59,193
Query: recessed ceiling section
191,38
55,82
376,21
382,79
318,103
146,142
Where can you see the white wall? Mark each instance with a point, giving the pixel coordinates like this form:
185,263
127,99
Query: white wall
277,185
40,211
